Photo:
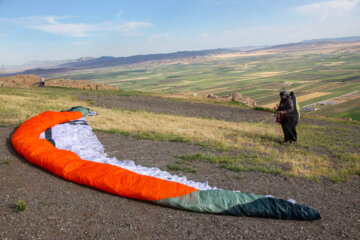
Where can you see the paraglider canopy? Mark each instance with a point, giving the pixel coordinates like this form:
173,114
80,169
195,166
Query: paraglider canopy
64,144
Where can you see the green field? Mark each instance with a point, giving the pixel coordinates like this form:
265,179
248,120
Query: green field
350,109
260,76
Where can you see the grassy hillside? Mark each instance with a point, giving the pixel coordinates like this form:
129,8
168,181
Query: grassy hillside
313,72
324,150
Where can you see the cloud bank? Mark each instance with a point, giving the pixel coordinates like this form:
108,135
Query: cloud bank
327,9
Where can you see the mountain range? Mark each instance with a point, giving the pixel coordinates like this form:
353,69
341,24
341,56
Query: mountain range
50,67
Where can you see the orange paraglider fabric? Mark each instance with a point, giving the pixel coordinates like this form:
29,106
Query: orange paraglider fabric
66,164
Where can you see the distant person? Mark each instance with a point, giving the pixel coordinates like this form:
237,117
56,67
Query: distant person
288,116
42,82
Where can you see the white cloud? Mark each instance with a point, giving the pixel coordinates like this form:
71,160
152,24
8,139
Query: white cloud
83,30
3,35
32,20
66,29
326,9
53,24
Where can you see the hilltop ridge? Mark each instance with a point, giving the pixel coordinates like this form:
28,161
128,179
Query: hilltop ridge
29,80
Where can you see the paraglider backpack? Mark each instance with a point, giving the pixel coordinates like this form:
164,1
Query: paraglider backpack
296,103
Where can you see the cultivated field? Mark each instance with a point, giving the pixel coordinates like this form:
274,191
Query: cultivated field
314,72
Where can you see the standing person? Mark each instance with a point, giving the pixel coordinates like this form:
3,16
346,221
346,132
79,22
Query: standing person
42,82
288,117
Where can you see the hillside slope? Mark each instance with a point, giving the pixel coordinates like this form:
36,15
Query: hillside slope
183,138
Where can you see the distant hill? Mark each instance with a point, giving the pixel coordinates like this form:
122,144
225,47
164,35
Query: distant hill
313,43
344,39
110,61
44,71
38,64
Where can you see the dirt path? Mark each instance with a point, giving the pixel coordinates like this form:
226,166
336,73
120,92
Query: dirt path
58,209
190,109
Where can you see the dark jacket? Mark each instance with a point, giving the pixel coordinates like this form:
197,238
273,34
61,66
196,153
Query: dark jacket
287,106
289,120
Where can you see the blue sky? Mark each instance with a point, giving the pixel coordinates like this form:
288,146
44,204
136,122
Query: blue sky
64,29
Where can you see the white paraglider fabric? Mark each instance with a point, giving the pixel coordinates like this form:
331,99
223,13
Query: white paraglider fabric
77,136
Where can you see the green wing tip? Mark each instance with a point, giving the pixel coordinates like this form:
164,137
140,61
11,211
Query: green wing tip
85,111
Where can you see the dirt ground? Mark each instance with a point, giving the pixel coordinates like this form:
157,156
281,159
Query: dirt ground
192,109
189,109
59,209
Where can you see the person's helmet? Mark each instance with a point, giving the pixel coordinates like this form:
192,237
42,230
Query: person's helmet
283,93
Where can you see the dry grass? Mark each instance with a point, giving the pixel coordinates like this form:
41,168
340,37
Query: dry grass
271,105
332,64
15,109
195,128
311,96
28,81
242,54
18,105
229,135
